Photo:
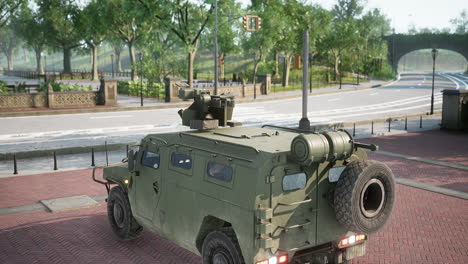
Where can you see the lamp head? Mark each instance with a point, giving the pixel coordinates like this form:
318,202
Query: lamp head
434,53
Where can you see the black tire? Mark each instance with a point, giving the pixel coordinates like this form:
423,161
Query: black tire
120,215
221,247
364,196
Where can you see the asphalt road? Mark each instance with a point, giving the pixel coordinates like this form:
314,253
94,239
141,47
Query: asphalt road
409,95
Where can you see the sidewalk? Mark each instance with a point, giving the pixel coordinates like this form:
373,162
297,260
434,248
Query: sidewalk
425,227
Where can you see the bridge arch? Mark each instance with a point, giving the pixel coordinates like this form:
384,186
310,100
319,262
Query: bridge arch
400,44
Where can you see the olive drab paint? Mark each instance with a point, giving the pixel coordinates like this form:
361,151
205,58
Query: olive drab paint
273,187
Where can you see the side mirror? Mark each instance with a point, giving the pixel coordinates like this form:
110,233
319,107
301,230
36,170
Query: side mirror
131,160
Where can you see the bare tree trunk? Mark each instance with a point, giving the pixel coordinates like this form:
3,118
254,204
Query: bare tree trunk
10,61
66,60
94,72
286,70
117,52
221,67
336,69
191,61
276,75
131,51
39,65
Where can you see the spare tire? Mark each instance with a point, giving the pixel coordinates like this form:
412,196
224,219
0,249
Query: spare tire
364,196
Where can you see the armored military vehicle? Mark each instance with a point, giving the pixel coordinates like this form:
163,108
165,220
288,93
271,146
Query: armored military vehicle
256,195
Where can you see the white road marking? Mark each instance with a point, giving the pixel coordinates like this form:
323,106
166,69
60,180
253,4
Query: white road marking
335,99
372,94
102,117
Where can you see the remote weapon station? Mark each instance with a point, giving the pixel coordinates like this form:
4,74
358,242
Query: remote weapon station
253,195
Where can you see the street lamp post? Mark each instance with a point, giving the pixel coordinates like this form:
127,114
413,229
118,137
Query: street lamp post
140,58
311,59
358,64
216,50
112,62
434,55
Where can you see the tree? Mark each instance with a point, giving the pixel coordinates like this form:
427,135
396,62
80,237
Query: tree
344,33
93,30
7,10
461,23
8,43
229,12
129,22
117,47
186,20
33,31
61,18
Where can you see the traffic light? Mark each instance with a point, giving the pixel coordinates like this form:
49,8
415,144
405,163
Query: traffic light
252,22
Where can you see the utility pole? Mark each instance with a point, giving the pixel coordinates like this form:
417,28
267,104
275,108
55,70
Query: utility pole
304,123
216,50
140,55
434,56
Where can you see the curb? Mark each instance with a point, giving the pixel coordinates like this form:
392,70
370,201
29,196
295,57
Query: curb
123,146
174,105
64,151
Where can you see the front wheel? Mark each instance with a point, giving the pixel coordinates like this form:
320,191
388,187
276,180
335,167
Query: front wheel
221,247
120,215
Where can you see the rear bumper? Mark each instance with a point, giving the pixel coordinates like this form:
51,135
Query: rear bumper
327,253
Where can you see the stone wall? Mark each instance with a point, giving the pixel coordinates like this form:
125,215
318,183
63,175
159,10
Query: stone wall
244,90
107,95
23,100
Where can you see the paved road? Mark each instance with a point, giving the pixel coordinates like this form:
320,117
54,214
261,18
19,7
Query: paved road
409,95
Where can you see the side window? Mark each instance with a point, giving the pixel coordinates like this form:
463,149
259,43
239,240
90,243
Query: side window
219,171
150,159
294,182
181,160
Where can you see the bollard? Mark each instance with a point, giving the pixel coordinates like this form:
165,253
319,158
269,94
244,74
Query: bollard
372,128
389,124
420,121
15,166
107,156
406,123
55,161
92,158
354,129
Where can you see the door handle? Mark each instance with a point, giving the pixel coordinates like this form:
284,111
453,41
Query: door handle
156,187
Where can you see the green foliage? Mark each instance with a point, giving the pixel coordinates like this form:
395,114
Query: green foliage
149,89
62,87
3,87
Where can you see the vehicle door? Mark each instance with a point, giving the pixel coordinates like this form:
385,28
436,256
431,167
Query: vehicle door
148,182
294,201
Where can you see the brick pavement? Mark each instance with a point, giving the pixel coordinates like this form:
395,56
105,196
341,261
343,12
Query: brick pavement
425,228
25,190
442,145
441,176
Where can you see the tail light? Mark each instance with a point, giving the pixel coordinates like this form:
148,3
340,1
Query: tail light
281,259
351,240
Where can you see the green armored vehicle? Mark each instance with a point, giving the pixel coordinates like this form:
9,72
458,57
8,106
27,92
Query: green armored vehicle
250,195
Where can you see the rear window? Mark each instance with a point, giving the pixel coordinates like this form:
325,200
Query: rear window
219,171
294,181
181,160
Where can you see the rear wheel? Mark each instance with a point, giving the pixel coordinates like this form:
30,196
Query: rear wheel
221,247
120,215
364,196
